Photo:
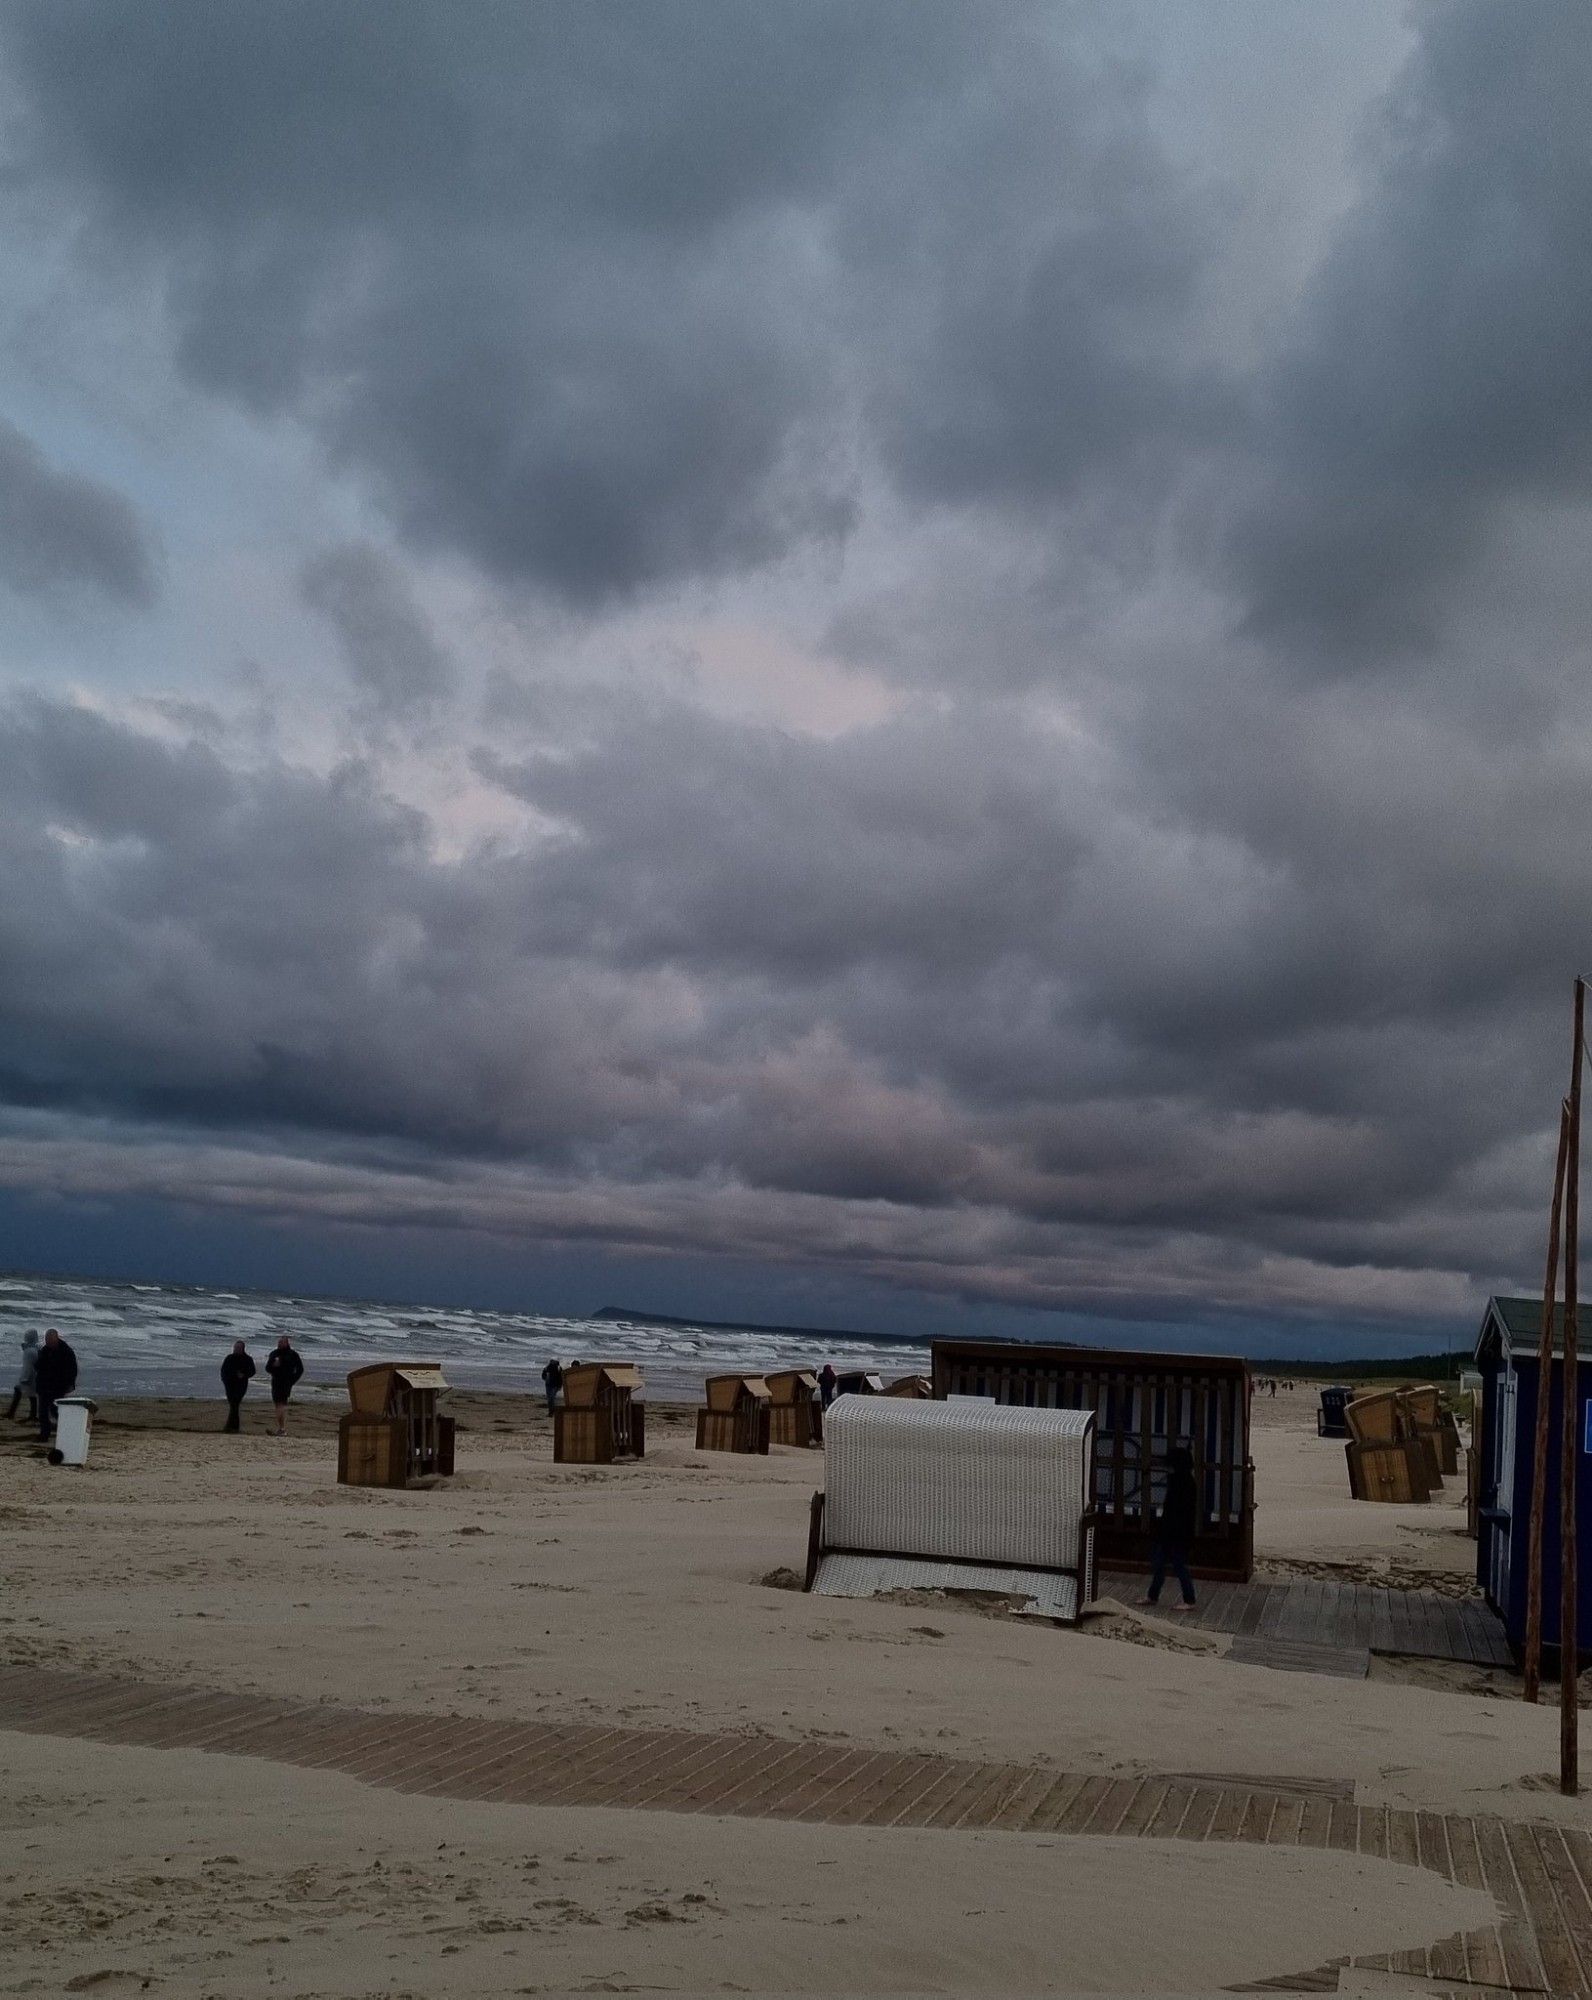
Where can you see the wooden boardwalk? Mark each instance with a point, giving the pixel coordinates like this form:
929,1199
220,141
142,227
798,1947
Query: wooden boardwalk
1314,1611
1539,1876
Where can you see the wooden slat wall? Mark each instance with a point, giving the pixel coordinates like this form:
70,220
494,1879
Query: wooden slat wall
1143,1403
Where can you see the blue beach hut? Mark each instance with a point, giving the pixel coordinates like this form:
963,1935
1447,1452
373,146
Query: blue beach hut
1507,1356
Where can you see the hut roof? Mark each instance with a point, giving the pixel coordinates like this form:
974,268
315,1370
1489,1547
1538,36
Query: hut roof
1519,1321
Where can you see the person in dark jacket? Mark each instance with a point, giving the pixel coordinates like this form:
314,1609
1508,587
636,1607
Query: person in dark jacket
55,1375
827,1379
237,1372
1174,1528
27,1380
284,1364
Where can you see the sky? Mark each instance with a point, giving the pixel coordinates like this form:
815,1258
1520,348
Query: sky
856,661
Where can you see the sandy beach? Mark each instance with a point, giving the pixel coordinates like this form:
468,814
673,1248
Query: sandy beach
653,1596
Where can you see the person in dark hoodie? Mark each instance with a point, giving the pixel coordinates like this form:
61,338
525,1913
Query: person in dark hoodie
1173,1532
55,1375
237,1372
552,1382
284,1364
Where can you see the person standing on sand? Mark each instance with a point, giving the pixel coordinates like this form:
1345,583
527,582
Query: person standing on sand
552,1382
54,1375
1174,1528
26,1382
827,1378
284,1364
237,1372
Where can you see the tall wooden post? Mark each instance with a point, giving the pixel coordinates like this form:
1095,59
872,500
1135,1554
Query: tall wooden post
1569,1664
1539,1461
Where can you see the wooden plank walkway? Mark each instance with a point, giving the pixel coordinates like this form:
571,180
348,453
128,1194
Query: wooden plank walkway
1324,1611
1540,1876
1302,1656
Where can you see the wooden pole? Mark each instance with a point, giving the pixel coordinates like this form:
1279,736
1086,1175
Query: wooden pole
1569,1714
1539,1461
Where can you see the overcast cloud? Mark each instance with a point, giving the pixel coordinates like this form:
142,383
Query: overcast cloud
878,643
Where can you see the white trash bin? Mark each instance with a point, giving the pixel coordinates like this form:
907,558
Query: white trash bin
74,1417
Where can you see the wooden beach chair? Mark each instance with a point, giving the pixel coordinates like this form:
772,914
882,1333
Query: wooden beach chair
602,1417
956,1496
1385,1461
1426,1419
393,1431
918,1386
795,1411
737,1415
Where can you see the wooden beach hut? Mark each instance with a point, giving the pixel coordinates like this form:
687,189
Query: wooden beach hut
393,1430
602,1417
737,1415
1508,1356
795,1409
956,1496
1386,1459
1143,1405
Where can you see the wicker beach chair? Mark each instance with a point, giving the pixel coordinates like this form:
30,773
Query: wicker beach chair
956,1496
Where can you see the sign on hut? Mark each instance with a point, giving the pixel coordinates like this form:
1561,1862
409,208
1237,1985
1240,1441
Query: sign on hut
795,1413
393,1431
737,1416
601,1417
1387,1460
1143,1405
956,1496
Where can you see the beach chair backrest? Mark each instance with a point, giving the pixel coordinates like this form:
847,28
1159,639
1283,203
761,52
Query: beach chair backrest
965,1482
1375,1418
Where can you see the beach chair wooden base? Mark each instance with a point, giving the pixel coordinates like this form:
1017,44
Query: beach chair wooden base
1391,1470
372,1451
796,1423
734,1430
586,1437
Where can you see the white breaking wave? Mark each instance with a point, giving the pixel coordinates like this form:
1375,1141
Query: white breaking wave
170,1339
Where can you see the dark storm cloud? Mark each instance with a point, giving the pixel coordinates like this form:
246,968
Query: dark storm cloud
1438,371
1122,966
387,642
606,296
62,534
926,1069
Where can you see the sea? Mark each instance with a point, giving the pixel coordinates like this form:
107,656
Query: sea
169,1340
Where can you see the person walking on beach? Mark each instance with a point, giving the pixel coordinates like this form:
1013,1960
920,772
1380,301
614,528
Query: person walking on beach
237,1372
55,1375
26,1382
552,1382
284,1364
827,1378
1174,1528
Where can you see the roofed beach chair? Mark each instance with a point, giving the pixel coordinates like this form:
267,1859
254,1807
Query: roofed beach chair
393,1431
795,1414
1425,1418
956,1496
736,1416
601,1417
1386,1461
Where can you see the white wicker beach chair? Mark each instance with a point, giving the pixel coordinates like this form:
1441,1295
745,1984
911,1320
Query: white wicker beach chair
956,1496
